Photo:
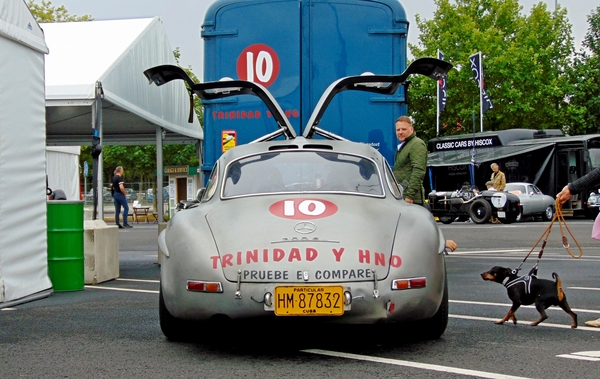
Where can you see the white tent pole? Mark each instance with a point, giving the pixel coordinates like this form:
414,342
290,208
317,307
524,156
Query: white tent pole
101,157
159,175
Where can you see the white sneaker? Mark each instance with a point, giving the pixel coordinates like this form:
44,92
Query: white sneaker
594,323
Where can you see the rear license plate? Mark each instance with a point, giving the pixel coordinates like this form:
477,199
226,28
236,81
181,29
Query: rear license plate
309,301
501,214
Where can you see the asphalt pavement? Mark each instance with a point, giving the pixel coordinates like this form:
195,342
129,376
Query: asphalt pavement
112,330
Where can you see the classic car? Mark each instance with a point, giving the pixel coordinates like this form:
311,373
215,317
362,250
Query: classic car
533,202
292,228
593,204
106,196
150,194
131,195
466,203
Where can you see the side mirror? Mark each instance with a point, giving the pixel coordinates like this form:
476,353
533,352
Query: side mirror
200,193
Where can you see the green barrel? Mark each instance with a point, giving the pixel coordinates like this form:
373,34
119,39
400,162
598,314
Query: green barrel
65,245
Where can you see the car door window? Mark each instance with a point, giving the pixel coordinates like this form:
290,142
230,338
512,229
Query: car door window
392,183
211,186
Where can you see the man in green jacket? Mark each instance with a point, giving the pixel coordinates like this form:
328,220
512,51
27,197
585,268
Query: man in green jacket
410,161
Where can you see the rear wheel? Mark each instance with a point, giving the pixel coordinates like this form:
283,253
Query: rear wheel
446,219
434,327
480,211
174,329
519,215
548,213
510,218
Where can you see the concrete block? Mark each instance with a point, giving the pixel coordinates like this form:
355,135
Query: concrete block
101,251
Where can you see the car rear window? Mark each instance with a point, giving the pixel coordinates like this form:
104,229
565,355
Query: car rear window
516,189
302,171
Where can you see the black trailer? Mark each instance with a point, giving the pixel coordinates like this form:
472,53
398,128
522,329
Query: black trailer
545,158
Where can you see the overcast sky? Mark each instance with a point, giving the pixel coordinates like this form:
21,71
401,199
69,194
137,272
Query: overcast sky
182,19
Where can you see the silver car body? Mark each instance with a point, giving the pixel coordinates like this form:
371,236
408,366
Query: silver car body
533,201
317,226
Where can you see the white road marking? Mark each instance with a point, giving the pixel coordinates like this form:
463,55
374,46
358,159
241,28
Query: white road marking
584,288
543,324
120,289
138,280
593,356
489,251
514,257
523,306
417,365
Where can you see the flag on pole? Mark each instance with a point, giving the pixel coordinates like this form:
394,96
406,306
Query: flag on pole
477,68
441,88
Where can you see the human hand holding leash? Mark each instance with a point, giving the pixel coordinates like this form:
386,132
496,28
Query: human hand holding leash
564,195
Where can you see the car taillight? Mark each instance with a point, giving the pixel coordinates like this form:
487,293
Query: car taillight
200,286
405,284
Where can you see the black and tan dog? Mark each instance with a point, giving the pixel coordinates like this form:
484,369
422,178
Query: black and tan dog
526,290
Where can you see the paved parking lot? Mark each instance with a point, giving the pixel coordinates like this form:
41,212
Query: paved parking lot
111,330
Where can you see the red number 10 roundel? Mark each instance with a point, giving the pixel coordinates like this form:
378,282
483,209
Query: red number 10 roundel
303,209
258,63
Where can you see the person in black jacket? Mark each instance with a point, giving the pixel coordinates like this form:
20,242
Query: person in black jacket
586,182
120,199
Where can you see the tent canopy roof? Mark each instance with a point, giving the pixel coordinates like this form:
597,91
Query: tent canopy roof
111,56
17,23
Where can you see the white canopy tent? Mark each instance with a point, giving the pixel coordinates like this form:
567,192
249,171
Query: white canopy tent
62,165
23,238
94,80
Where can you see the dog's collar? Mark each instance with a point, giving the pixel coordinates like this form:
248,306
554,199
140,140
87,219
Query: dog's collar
505,281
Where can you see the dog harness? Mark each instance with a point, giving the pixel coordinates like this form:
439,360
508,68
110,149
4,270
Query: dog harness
526,280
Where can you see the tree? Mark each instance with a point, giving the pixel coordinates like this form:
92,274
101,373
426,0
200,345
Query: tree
45,12
585,77
197,102
525,61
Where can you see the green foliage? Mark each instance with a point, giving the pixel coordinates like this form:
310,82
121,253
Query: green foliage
525,59
197,102
174,155
139,162
46,12
585,77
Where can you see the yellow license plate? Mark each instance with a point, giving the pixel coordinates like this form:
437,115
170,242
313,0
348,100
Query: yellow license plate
309,301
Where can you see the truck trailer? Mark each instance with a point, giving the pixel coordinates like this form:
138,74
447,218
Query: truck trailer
296,49
546,158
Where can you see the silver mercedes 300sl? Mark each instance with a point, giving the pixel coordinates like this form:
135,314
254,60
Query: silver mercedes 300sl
294,228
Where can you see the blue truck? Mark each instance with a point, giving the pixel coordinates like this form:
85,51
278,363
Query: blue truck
297,48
